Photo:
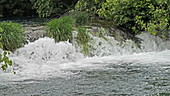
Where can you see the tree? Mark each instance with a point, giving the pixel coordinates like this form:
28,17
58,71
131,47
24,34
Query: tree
138,15
16,8
46,8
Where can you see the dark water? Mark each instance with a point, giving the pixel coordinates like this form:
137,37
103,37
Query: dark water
122,79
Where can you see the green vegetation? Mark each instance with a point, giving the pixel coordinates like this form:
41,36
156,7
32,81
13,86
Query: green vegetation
44,8
1,30
60,29
83,39
82,36
134,15
16,8
4,60
89,6
138,15
81,18
12,36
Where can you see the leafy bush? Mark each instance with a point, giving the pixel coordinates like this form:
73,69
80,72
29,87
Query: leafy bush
60,29
81,18
12,35
16,8
5,61
43,7
83,39
138,15
46,8
134,15
88,5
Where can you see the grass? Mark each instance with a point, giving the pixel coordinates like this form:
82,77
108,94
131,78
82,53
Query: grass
60,29
12,35
83,39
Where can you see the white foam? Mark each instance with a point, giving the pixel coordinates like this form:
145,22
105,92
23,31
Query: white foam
44,58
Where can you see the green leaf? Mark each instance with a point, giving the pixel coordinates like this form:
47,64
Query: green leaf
3,67
10,63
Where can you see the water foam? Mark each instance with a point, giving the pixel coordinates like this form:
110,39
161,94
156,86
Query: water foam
108,46
44,58
152,43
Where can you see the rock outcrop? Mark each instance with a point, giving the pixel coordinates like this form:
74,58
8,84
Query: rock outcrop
34,33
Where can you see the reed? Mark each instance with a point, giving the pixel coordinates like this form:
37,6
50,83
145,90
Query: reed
60,29
12,35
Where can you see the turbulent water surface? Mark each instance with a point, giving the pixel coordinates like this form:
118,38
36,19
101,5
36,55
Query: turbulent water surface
46,68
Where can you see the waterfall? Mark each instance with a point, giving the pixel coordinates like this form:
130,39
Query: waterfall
45,58
153,43
111,47
46,49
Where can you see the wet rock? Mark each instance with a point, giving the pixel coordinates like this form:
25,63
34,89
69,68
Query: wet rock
34,33
122,35
119,34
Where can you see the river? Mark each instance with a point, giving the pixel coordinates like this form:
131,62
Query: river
46,68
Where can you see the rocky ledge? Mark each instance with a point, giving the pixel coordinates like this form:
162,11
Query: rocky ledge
33,33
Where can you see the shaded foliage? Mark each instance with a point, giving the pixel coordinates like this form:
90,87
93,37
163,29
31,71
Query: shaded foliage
16,8
44,8
81,18
138,15
134,15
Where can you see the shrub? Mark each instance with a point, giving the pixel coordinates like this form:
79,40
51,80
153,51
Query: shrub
60,29
5,61
12,35
83,39
81,18
88,5
89,8
133,15
138,15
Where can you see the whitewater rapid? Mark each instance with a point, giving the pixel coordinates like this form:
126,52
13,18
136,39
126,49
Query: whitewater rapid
44,58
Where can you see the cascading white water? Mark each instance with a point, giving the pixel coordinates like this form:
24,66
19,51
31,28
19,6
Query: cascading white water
60,69
152,43
44,57
111,47
46,49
